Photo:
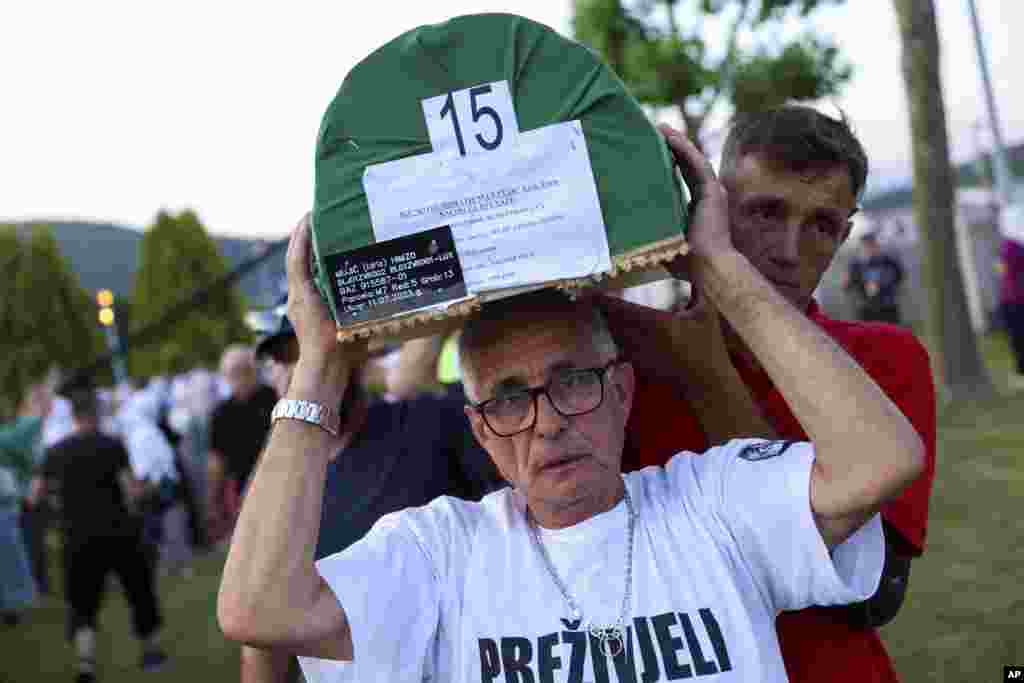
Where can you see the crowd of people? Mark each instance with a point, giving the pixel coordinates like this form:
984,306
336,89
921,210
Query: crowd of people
123,474
541,512
142,479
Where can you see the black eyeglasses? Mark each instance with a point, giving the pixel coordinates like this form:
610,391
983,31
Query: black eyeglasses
571,392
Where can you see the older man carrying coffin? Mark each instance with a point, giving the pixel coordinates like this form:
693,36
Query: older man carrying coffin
660,574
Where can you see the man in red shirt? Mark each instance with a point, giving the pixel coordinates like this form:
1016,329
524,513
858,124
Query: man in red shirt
793,176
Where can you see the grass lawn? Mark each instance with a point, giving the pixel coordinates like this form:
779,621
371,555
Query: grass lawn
963,620
964,616
37,652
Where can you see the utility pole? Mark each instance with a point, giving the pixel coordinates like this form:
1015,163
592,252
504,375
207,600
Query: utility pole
1004,182
105,301
963,372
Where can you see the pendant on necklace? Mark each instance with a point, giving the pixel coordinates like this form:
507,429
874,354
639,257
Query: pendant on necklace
573,624
611,638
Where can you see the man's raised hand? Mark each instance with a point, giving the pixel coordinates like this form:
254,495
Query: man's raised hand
709,222
324,364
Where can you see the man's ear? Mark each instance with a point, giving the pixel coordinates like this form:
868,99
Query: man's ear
624,385
483,436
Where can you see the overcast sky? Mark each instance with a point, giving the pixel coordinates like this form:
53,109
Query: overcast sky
112,110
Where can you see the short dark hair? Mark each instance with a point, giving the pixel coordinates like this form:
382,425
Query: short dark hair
798,138
84,404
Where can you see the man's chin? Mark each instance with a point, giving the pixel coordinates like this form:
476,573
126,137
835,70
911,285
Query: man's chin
571,483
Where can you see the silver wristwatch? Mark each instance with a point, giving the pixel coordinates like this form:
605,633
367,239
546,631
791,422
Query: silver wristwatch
307,411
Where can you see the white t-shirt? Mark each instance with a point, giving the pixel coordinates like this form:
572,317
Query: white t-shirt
724,541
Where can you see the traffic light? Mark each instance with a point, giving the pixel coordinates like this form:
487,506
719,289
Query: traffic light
105,300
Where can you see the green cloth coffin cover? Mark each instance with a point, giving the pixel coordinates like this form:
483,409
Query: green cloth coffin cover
377,117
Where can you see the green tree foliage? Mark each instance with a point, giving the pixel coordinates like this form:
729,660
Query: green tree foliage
48,319
177,258
725,51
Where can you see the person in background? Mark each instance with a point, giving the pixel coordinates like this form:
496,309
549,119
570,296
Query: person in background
238,428
19,440
190,457
58,423
875,280
37,518
402,454
154,462
89,476
792,176
1011,304
427,365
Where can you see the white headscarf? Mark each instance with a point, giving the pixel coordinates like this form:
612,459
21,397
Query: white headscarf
59,423
151,455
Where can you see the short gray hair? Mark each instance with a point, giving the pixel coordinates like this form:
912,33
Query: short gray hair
479,331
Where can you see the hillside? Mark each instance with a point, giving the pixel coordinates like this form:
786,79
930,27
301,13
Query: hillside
105,255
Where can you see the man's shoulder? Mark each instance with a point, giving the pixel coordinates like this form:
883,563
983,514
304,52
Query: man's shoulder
448,522
70,442
99,442
688,469
265,396
869,340
390,420
221,408
421,415
76,445
54,454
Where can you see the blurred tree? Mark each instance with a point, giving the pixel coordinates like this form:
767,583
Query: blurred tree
665,64
177,258
48,319
963,371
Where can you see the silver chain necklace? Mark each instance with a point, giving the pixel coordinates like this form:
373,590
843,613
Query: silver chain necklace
611,636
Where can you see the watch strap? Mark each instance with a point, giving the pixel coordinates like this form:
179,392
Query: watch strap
307,411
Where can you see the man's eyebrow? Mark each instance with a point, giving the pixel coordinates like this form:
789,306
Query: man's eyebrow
767,199
763,199
832,213
517,383
509,385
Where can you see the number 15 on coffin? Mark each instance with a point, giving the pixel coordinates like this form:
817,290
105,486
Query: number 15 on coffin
479,158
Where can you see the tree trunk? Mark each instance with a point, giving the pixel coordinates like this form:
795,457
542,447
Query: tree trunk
962,370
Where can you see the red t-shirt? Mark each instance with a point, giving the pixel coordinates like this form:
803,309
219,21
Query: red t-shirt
815,645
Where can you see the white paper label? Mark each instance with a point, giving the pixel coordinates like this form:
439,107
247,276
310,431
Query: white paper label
519,215
472,121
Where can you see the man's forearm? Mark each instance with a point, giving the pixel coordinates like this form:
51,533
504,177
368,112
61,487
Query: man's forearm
269,578
866,448
416,370
689,353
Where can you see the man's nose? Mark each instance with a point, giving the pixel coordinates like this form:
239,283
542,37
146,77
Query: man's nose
550,422
787,252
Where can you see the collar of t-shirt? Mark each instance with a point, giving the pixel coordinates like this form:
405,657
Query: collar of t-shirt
572,550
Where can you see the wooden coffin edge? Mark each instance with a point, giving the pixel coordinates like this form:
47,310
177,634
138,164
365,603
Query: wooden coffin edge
628,269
